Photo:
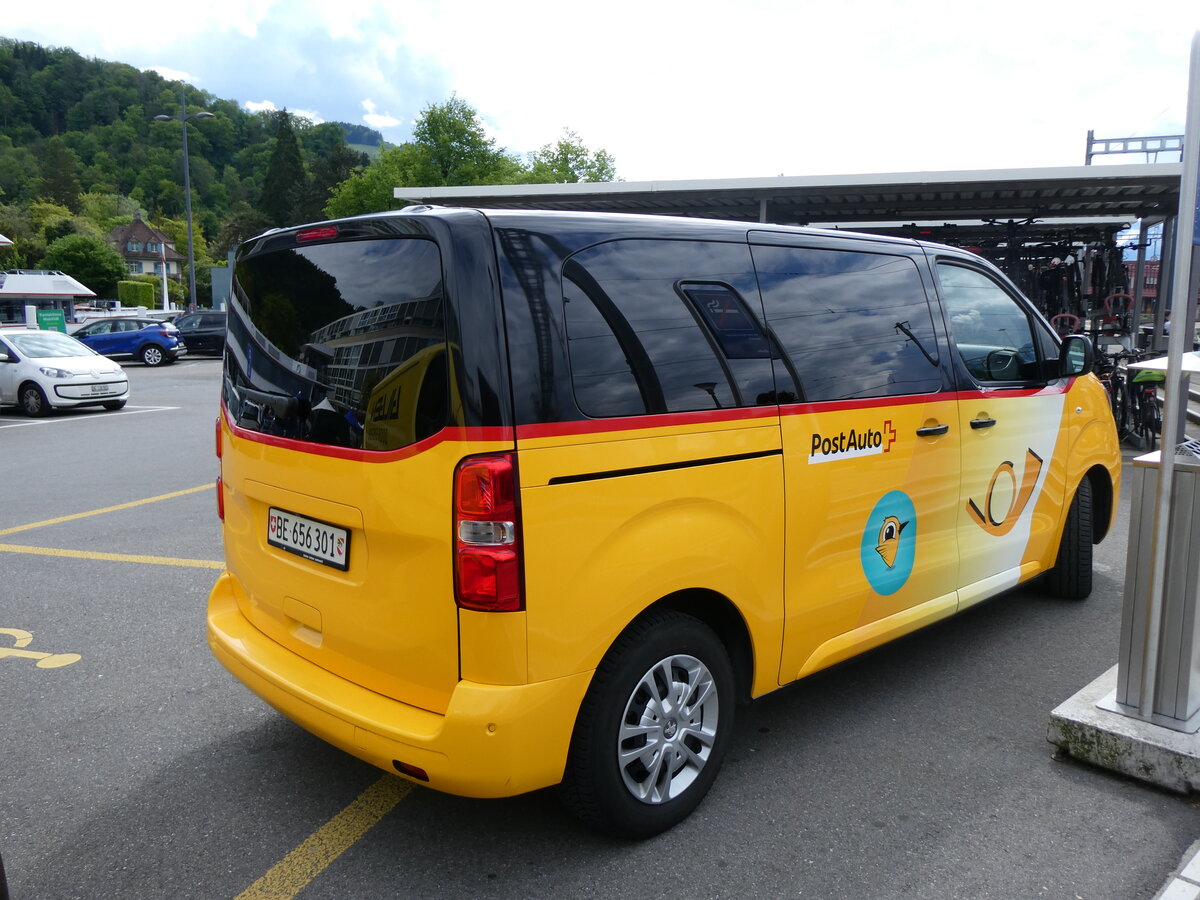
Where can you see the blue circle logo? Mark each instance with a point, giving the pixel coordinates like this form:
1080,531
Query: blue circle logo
889,543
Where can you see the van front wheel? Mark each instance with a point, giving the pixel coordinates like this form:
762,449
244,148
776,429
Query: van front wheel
653,727
1071,577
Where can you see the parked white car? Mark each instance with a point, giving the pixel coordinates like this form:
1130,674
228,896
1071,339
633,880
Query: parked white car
44,370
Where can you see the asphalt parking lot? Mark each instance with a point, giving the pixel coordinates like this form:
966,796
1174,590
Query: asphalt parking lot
133,765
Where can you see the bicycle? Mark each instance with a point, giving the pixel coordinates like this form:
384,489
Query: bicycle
1147,407
1115,378
1133,396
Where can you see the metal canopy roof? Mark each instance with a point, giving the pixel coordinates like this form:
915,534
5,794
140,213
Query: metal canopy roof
1076,192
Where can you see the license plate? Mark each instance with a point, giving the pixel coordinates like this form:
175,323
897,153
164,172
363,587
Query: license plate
99,388
318,541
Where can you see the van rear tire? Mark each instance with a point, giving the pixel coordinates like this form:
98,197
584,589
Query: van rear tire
1071,577
653,728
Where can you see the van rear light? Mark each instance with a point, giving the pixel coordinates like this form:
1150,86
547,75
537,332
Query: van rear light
322,233
218,436
487,548
220,499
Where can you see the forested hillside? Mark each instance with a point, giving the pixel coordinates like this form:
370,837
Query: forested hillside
81,152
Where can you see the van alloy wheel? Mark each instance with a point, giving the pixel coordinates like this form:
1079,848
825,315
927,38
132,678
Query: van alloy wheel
653,728
668,730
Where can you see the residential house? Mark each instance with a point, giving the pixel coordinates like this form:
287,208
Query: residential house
143,249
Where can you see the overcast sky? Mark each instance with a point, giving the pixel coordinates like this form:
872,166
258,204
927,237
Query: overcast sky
685,90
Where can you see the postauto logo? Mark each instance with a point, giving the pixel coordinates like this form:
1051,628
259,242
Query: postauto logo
853,443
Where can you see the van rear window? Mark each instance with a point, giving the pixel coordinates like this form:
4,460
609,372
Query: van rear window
340,343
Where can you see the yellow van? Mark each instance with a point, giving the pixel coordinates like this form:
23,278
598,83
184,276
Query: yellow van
521,499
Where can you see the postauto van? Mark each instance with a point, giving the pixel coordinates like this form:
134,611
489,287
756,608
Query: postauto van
520,499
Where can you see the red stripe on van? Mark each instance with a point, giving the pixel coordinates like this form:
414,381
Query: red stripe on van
446,435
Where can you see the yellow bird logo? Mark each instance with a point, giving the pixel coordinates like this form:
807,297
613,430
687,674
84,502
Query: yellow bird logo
889,540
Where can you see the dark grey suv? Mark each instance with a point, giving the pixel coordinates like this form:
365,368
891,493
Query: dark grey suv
203,332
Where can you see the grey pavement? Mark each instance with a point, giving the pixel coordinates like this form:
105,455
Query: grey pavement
920,770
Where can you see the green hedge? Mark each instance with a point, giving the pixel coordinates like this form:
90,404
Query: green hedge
135,293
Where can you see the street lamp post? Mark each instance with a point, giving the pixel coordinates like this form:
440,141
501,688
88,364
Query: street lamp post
183,117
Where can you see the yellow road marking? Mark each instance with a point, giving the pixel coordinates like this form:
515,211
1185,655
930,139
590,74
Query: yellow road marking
294,872
22,638
107,509
114,557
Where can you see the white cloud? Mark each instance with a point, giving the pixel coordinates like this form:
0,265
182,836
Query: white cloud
309,114
173,74
695,90
377,120
260,105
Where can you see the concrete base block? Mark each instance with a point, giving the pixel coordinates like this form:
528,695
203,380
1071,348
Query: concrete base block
1120,743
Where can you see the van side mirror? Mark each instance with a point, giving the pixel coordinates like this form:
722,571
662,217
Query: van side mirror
1076,356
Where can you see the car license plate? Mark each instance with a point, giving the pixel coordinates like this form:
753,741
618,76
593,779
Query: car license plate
99,388
318,541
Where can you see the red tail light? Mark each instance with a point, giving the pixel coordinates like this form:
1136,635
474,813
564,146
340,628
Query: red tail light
320,233
487,551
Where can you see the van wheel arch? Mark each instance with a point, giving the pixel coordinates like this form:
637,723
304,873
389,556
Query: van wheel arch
720,614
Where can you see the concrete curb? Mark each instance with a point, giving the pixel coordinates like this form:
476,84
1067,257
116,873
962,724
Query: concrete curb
1123,744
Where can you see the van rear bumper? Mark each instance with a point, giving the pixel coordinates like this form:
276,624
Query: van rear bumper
493,741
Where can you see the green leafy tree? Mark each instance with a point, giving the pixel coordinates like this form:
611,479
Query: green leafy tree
568,160
456,149
27,242
370,190
20,173
89,260
60,180
44,212
107,210
449,147
285,183
59,228
242,224
328,172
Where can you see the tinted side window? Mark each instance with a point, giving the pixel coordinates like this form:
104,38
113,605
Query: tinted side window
651,326
991,331
854,324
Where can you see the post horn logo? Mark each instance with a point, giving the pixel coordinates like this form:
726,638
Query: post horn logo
986,518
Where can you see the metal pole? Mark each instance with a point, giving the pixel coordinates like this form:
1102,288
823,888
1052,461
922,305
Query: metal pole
1187,236
187,200
1139,285
1166,274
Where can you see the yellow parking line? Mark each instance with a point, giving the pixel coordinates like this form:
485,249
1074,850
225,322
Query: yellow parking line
294,872
113,557
107,509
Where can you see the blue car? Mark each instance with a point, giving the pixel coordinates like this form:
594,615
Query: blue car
152,341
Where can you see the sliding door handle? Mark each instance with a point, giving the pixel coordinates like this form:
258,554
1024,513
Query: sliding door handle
982,423
932,430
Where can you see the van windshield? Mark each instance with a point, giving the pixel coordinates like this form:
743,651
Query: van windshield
339,343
